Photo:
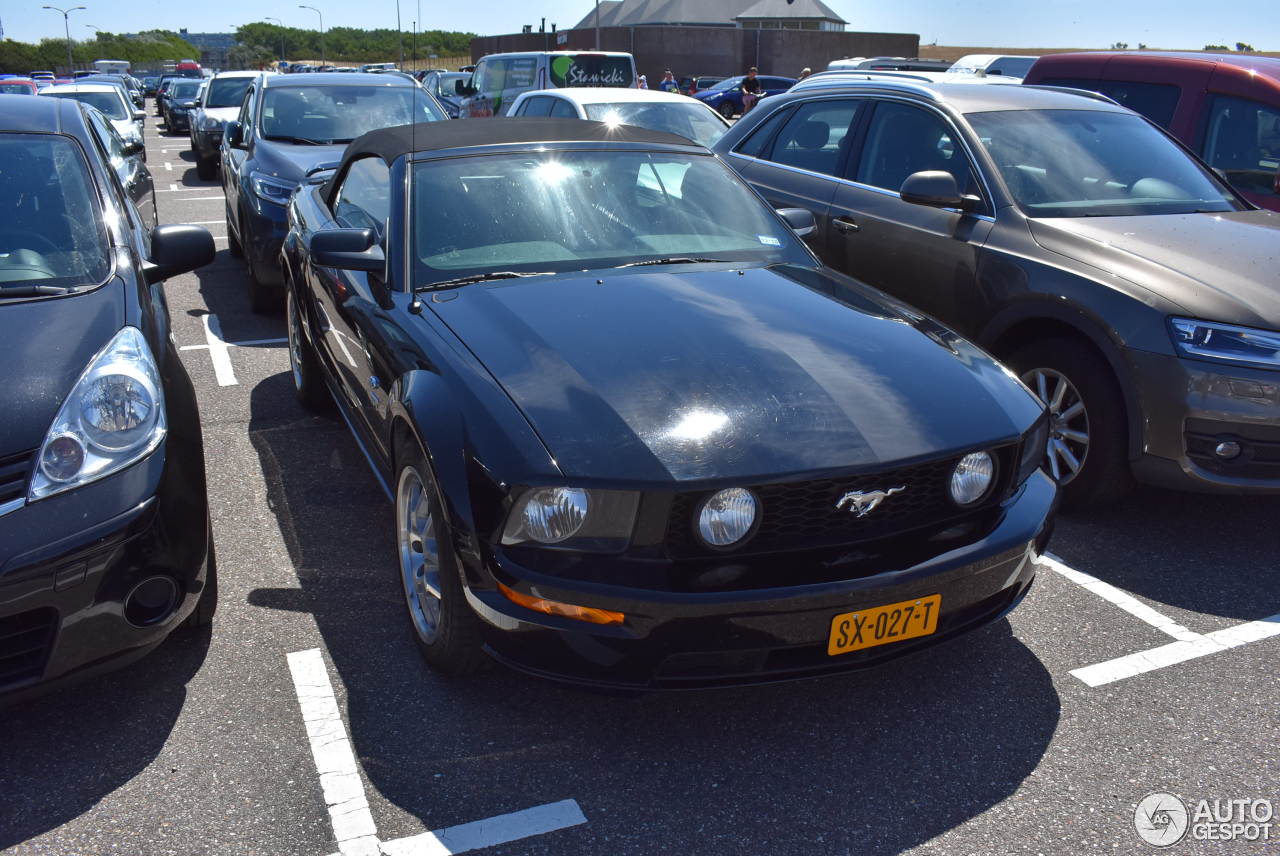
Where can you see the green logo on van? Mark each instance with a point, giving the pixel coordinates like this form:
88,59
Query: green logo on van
591,70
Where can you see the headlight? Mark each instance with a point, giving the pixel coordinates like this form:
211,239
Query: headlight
727,517
271,189
972,478
1245,346
209,123
573,518
113,417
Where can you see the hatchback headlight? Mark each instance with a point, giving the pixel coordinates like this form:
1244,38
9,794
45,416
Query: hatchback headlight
972,478
1244,346
271,189
727,517
113,417
211,124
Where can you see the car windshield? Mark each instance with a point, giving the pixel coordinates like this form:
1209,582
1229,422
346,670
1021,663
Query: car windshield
338,114
728,83
1088,163
227,92
690,119
184,91
574,210
50,230
108,102
7,88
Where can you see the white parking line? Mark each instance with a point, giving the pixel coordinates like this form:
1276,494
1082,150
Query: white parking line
246,344
219,351
168,166
1189,646
203,222
353,824
201,198
172,188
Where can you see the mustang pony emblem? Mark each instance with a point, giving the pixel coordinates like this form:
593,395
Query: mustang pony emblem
863,503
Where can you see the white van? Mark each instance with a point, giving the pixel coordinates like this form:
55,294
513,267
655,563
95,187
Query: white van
499,78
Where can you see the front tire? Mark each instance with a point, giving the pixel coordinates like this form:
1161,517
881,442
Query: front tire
445,628
1087,453
726,109
307,381
233,243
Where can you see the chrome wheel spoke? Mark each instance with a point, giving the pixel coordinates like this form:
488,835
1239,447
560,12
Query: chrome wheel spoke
1074,436
1063,452
1054,469
419,554
1072,412
1068,445
1059,395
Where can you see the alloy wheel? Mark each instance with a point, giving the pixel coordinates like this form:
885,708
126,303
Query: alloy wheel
295,339
1068,446
419,553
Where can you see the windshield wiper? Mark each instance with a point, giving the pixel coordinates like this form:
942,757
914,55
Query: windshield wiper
303,141
674,260
31,290
483,277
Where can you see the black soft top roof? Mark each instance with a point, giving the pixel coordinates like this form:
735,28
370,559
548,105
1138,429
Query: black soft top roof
391,143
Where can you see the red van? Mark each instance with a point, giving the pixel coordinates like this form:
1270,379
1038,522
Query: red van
1225,107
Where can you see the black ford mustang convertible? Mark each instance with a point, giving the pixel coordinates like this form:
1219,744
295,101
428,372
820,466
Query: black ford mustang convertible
636,434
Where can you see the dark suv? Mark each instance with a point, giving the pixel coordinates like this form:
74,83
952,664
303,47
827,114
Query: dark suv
1118,276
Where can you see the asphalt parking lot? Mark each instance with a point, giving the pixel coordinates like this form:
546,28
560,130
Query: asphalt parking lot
1144,660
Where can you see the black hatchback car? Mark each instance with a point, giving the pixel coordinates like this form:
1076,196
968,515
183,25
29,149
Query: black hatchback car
1121,278
636,435
289,125
104,528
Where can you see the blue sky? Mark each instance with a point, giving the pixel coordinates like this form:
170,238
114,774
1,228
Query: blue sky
1085,23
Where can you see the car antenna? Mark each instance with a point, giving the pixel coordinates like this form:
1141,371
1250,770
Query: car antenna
415,305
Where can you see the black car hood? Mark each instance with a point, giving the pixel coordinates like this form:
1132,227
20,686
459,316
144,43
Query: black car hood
47,344
1221,267
290,161
711,373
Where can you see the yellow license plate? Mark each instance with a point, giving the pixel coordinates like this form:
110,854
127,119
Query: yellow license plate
880,625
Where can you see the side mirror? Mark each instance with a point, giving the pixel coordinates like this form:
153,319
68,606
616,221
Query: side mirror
348,249
139,115
801,220
132,147
234,134
199,102
176,250
936,188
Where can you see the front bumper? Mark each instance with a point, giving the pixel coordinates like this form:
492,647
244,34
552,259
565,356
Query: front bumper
1189,407
178,121
208,142
690,640
68,562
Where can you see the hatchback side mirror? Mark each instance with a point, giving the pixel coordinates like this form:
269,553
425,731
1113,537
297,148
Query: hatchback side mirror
234,133
801,220
177,250
348,249
936,188
132,147
139,115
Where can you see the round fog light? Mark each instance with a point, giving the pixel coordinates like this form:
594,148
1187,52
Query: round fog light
972,478
1227,450
727,516
62,459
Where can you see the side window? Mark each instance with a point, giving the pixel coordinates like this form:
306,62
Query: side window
480,77
1156,101
563,109
246,112
538,105
108,139
1242,138
758,140
816,136
520,73
903,140
364,199
495,78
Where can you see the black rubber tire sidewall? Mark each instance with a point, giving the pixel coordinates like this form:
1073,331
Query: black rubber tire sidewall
311,391
1106,476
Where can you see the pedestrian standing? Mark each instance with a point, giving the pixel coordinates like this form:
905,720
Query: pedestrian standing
669,83
750,90
642,83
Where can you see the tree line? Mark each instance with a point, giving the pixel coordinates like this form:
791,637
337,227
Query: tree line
141,49
347,45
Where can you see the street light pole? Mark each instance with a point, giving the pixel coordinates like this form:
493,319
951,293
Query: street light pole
321,14
597,24
66,25
281,23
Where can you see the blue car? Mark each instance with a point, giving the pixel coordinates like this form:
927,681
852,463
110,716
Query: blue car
290,125
726,96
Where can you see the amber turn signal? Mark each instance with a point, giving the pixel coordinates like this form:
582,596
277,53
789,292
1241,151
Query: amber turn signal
568,610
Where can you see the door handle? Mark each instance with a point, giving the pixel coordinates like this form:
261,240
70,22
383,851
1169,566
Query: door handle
846,225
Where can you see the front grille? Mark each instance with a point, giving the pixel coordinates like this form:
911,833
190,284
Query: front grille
803,515
14,472
25,640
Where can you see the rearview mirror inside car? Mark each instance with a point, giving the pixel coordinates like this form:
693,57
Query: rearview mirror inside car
801,220
348,249
936,188
176,250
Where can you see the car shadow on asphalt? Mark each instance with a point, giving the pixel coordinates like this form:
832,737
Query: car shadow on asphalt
875,762
64,751
1197,552
224,291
